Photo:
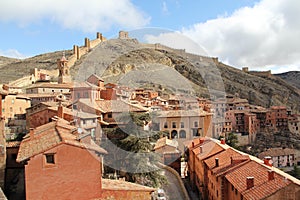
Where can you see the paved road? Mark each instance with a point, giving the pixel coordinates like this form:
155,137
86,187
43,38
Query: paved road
173,190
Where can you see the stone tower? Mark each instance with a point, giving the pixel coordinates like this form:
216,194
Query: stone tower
63,70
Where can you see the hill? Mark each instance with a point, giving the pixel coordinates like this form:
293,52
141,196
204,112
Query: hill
128,62
13,69
292,77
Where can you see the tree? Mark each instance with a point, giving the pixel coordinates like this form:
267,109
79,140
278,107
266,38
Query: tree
295,172
132,155
231,140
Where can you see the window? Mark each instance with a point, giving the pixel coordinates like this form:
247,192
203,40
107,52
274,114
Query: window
50,159
166,125
182,134
181,124
195,124
173,124
195,132
109,115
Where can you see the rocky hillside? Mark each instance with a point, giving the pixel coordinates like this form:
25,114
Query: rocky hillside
12,69
131,63
292,78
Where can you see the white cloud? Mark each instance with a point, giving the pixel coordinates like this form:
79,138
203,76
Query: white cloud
83,15
264,35
12,53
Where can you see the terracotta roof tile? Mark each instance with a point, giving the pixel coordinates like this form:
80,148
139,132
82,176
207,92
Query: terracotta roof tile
108,184
183,113
119,106
276,152
13,144
50,135
226,160
165,141
262,186
209,147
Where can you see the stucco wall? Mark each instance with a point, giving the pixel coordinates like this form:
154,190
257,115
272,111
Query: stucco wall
75,175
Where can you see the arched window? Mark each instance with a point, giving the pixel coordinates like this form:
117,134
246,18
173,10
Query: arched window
182,134
174,134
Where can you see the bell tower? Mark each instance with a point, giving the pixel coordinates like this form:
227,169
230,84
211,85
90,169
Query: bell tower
63,70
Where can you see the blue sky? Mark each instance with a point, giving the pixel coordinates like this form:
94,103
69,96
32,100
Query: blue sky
261,34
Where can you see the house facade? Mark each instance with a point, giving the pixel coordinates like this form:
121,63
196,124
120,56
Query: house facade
55,164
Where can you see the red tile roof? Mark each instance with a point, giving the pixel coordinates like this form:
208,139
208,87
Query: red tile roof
108,184
115,106
209,147
50,135
262,186
165,142
13,144
226,159
119,106
277,152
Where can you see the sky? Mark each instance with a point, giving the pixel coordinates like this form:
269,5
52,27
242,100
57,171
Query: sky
259,34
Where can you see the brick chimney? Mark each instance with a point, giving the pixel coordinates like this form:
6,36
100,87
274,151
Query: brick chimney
268,161
31,133
271,175
223,141
201,140
193,144
217,162
60,111
201,149
250,182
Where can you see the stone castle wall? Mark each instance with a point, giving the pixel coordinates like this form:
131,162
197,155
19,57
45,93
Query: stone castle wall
77,53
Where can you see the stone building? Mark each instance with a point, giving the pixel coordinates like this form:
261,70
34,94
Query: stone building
281,157
3,94
58,165
218,171
185,125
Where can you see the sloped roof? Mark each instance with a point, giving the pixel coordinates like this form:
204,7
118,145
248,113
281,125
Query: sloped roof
183,113
276,152
119,106
52,85
13,144
262,186
225,160
109,184
165,142
50,135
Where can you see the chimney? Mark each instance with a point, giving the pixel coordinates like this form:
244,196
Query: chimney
31,133
201,149
271,175
223,141
268,161
250,182
201,140
217,162
60,111
193,144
